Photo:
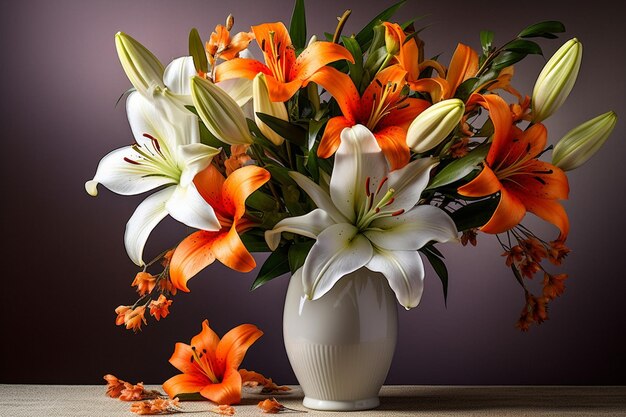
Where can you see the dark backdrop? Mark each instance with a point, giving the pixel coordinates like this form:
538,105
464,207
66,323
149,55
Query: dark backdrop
65,269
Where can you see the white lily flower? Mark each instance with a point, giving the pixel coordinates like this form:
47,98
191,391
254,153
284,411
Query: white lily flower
369,218
147,75
167,153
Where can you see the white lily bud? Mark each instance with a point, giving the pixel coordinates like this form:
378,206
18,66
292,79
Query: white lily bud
263,104
220,113
434,124
142,68
556,80
580,143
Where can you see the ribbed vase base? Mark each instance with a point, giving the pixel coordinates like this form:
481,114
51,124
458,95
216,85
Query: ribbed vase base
329,405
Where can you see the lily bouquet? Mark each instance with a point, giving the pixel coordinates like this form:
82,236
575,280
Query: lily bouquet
341,153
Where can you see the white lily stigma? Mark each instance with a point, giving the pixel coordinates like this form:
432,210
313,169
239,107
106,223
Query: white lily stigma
582,142
370,218
167,153
556,80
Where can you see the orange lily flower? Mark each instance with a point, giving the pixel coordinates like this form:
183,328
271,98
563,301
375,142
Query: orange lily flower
210,365
384,109
285,73
512,169
227,196
464,65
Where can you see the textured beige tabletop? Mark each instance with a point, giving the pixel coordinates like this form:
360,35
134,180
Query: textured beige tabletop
76,400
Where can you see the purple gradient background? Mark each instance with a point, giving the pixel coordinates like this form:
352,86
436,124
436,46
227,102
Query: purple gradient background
66,269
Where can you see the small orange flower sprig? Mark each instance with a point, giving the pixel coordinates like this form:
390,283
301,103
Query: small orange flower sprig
125,391
221,46
272,406
525,260
153,291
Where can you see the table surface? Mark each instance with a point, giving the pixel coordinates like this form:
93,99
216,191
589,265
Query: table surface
396,400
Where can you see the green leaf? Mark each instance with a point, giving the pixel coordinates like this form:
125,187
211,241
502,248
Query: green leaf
254,242
276,264
523,46
297,27
196,50
545,29
364,37
314,128
440,268
191,396
260,201
356,69
506,59
518,276
459,168
290,132
476,214
466,88
298,253
486,40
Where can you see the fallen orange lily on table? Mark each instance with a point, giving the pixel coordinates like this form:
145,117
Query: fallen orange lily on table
210,365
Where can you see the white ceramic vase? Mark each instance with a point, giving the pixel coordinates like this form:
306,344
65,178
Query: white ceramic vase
341,345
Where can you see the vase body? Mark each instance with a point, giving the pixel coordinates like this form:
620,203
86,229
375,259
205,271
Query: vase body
341,346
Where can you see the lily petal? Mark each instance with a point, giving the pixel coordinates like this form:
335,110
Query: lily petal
180,359
483,184
392,141
551,211
191,256
315,57
188,207
231,251
404,271
413,229
332,136
340,86
226,392
207,340
464,64
177,75
358,162
195,158
309,225
240,68
234,345
183,384
122,172
145,218
320,197
339,250
409,182
238,187
508,214
500,116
